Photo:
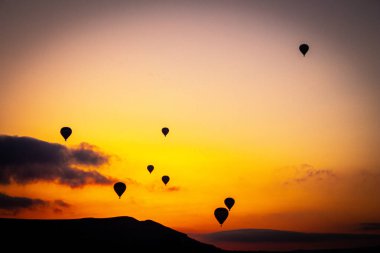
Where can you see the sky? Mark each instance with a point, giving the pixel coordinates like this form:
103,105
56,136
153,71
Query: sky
293,139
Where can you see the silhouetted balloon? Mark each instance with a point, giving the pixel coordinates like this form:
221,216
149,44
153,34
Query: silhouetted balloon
66,132
165,179
150,168
229,202
221,214
165,131
304,48
119,188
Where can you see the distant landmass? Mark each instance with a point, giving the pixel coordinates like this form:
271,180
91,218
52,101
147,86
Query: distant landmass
117,234
277,240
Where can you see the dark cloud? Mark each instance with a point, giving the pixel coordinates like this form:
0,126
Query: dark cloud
15,204
26,160
61,203
11,205
306,172
370,226
87,155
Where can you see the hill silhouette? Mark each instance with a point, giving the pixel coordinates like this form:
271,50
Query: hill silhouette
121,234
124,234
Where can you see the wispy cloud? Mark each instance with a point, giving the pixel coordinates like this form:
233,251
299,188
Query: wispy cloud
367,175
306,172
153,187
131,181
174,188
162,188
26,160
11,205
61,203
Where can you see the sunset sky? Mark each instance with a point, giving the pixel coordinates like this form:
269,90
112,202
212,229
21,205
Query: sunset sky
294,140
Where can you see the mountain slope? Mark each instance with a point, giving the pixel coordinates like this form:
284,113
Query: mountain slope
122,233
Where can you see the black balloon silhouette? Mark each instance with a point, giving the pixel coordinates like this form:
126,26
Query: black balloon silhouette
165,131
229,202
66,132
221,214
150,168
304,48
119,188
165,179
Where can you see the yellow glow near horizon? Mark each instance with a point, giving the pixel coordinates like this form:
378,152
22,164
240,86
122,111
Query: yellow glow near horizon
241,103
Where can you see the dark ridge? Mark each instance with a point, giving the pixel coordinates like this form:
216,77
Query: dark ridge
122,233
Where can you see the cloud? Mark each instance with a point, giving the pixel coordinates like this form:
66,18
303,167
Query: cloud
61,203
9,203
160,187
306,172
153,187
86,154
370,226
174,189
367,175
13,205
130,181
57,210
26,160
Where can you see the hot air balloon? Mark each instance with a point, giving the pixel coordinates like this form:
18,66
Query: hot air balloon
165,131
229,202
221,214
150,168
66,132
119,188
304,48
165,179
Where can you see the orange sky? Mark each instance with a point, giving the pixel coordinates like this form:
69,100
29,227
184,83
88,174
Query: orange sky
293,139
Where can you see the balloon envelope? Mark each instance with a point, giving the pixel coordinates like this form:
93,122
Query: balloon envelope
66,132
221,215
165,130
165,179
304,48
229,202
119,188
150,168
